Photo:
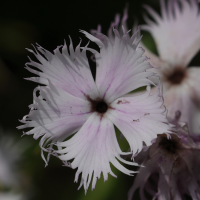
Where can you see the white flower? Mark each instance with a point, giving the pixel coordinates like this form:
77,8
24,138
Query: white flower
11,196
177,36
73,103
10,156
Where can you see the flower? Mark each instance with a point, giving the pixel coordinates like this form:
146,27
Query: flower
177,36
73,104
171,169
11,196
11,156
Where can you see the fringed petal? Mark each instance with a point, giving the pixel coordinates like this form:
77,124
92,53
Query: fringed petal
177,32
120,66
140,118
68,70
93,147
55,115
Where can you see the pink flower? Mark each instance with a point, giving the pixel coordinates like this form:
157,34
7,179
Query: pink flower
73,104
171,169
177,36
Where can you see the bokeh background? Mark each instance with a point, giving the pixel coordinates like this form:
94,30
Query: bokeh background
48,23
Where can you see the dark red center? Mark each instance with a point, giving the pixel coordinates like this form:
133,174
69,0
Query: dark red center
98,105
101,107
171,145
177,76
168,145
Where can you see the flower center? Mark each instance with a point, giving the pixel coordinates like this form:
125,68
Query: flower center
170,145
101,107
177,76
98,105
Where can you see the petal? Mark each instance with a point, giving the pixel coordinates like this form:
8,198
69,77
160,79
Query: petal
174,189
177,33
194,189
160,66
93,147
193,74
185,98
141,179
165,163
116,24
121,67
55,114
71,72
163,188
140,118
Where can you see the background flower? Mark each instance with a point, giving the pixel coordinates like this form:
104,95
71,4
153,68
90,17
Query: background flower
10,196
171,168
177,36
13,181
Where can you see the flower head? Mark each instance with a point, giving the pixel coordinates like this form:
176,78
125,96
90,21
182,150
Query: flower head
11,196
12,178
10,155
171,169
177,36
73,104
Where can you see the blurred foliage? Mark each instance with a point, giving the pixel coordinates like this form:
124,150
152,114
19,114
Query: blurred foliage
14,36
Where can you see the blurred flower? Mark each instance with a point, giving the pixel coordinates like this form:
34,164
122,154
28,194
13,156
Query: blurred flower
11,196
72,102
171,169
177,36
11,155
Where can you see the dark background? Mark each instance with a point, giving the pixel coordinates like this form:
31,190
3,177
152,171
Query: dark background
48,23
